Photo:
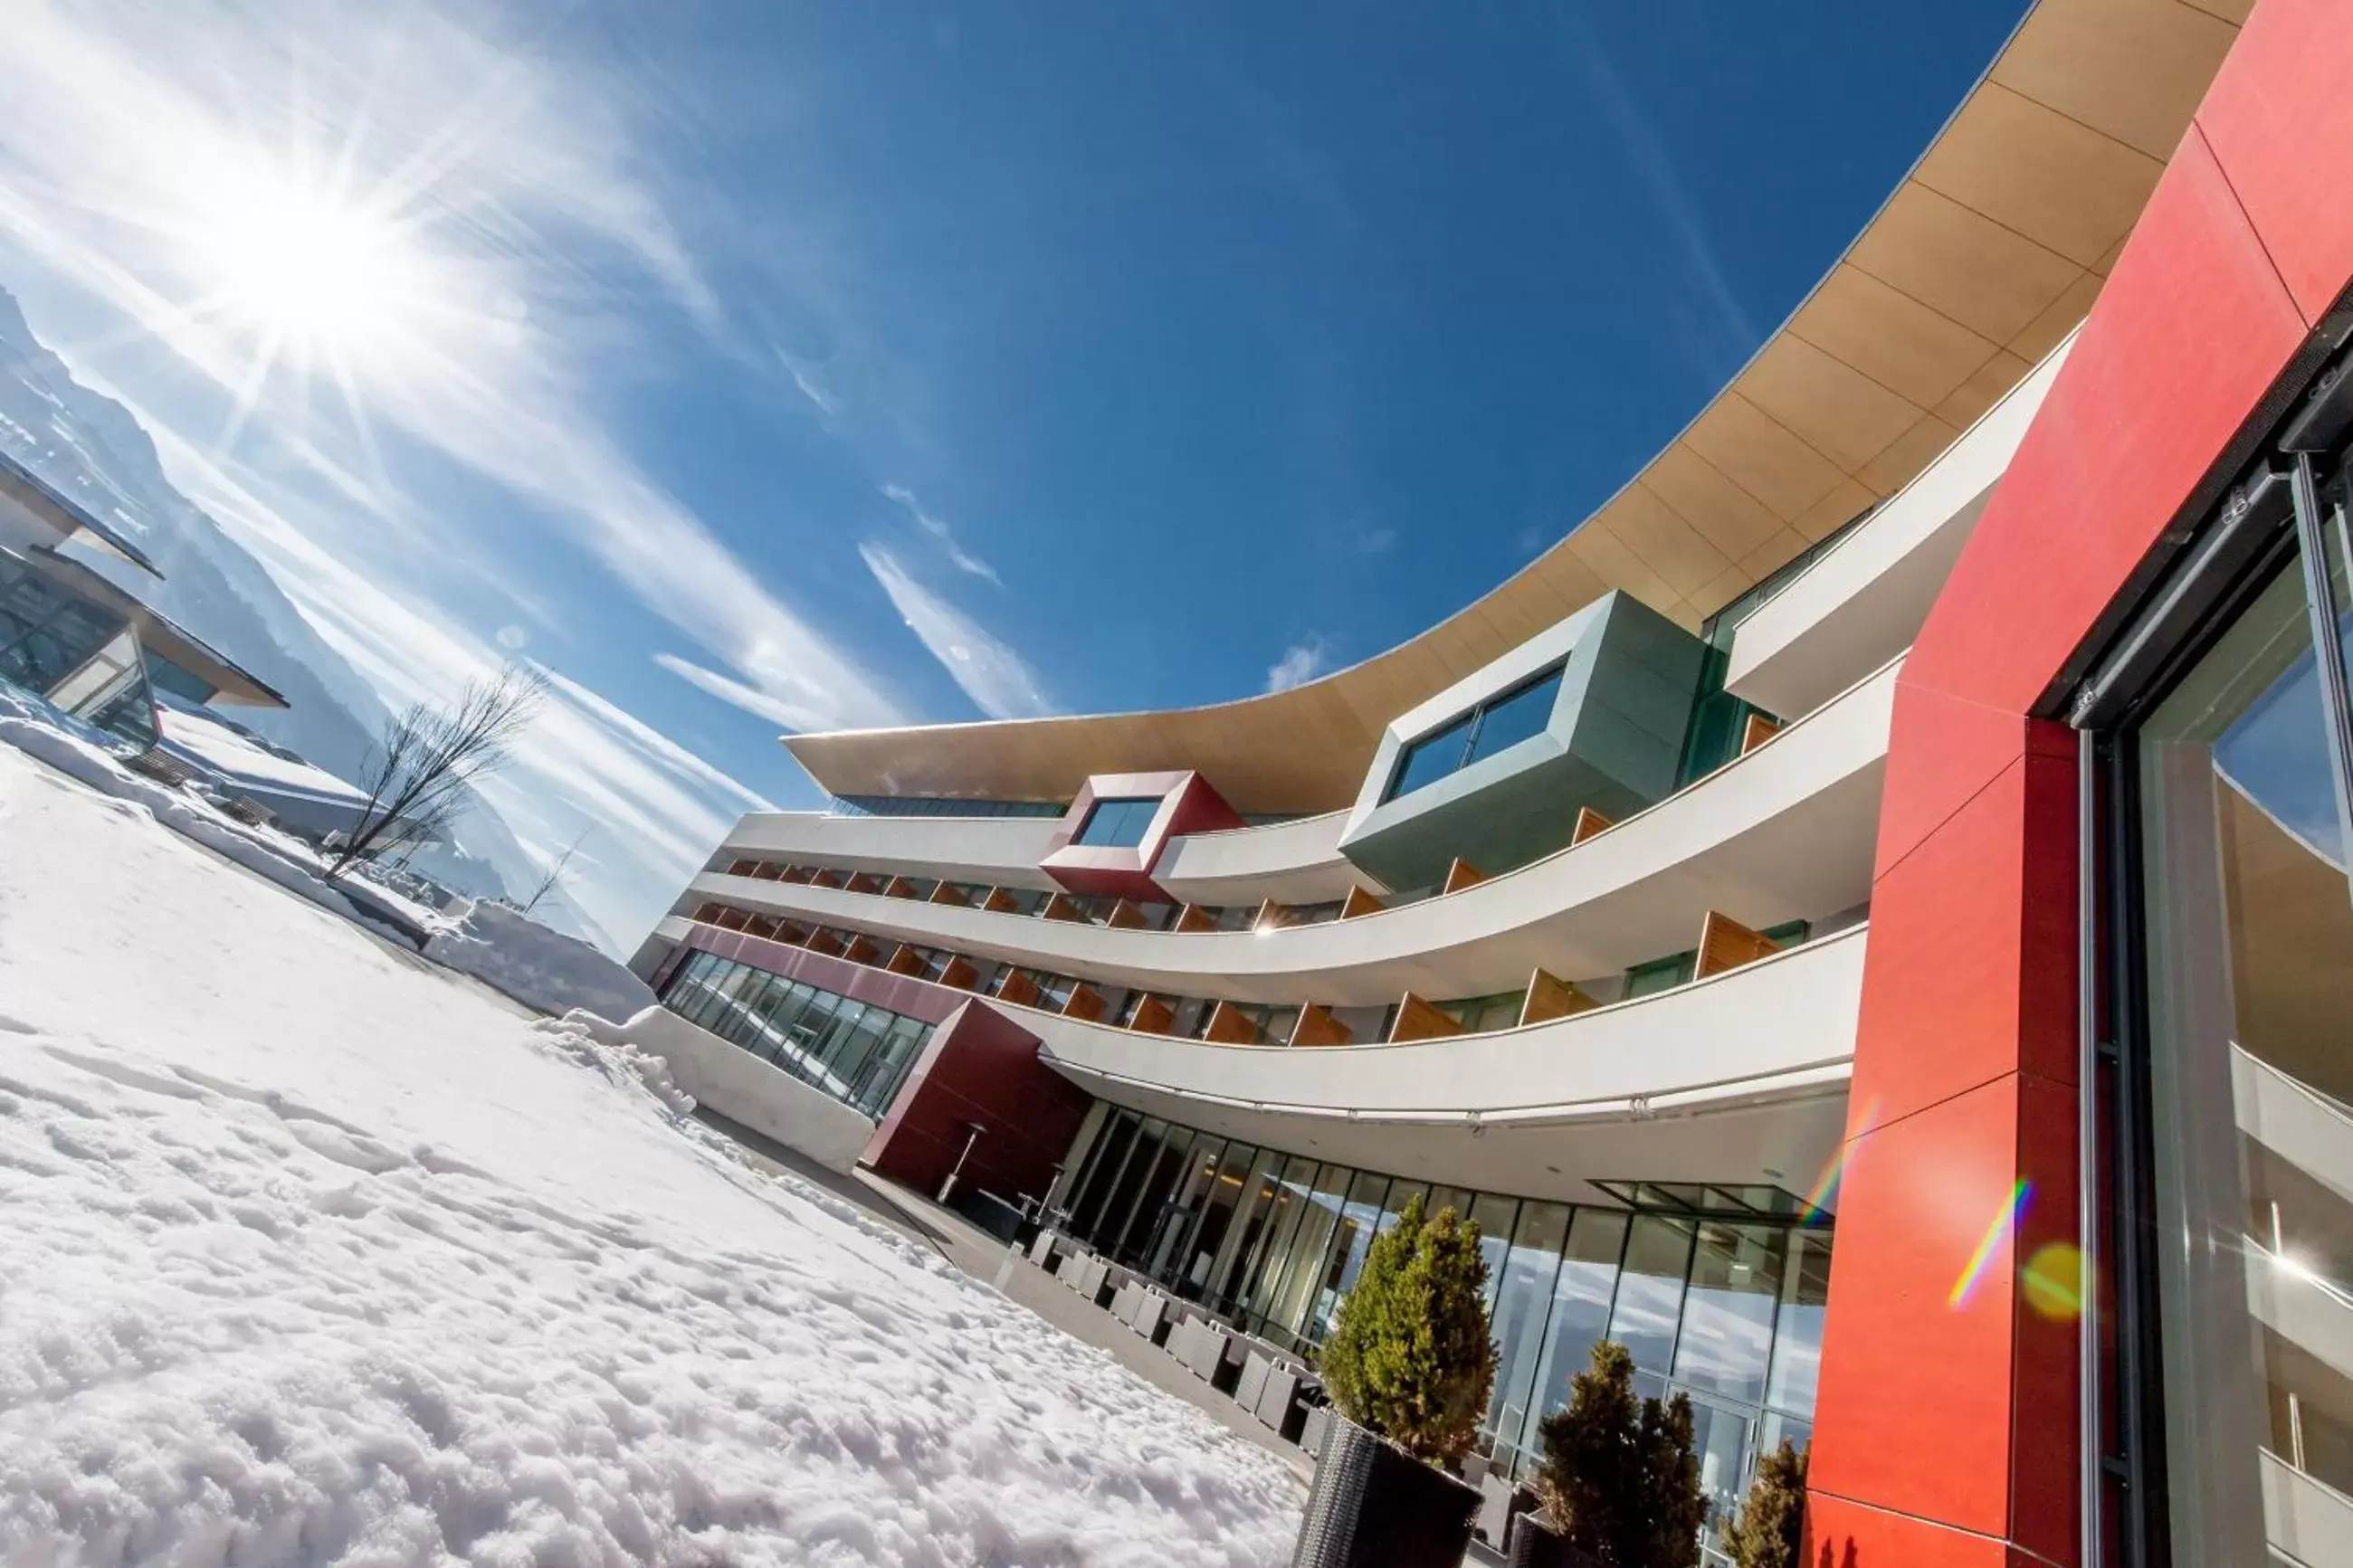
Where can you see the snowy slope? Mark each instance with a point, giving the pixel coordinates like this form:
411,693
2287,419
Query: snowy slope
316,1255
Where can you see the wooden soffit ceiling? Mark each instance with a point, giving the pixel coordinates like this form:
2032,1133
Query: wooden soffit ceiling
1989,253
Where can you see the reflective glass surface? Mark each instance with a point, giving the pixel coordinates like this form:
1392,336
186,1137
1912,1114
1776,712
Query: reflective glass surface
1119,824
1432,757
2250,930
1728,1312
1517,716
854,1052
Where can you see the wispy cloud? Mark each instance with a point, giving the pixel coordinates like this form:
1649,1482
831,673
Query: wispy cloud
748,698
805,376
941,534
1376,541
996,678
1300,663
495,200
583,760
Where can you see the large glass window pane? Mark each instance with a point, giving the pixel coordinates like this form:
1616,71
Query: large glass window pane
1154,1196
1360,1221
1224,1191
1291,1203
1514,717
1432,757
1726,1343
1651,1291
1119,824
1496,1213
879,1085
1401,1194
1521,1307
1798,1338
803,1036
1168,1252
1109,1163
1579,1317
1304,1274
1254,1210
2250,930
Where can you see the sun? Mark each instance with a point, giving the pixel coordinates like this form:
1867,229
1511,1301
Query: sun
309,268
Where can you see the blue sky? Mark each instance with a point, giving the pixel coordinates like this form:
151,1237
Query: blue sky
769,364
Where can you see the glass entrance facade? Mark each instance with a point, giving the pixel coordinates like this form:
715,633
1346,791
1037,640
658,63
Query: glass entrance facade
2241,813
1721,1298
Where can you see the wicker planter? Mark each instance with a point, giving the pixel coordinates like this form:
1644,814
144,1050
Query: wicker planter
1376,1506
1535,1545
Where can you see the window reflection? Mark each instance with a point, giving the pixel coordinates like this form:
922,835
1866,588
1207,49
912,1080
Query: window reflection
854,1052
2250,923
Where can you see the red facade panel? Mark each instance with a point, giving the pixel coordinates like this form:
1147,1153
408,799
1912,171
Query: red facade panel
981,1068
1947,1418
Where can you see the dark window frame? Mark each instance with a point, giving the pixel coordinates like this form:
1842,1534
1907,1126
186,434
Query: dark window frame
1472,720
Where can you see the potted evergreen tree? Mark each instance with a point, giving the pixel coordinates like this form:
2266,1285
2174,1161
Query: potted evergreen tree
1409,1367
1770,1532
1619,1482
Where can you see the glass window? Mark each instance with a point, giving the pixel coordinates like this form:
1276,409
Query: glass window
1254,1211
1118,824
2249,932
1103,1176
1303,1273
1521,1307
1224,1193
1165,1251
1155,1193
1579,1317
1433,757
1291,1203
1651,1291
1798,1338
1495,1213
1661,975
1726,1343
1360,1221
1517,715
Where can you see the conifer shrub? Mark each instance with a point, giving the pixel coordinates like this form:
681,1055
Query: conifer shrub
1771,1530
1409,1358
1619,1481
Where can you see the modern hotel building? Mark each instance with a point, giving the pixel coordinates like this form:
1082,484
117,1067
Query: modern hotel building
1863,919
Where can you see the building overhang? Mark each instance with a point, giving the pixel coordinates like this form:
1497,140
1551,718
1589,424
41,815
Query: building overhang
232,684
1989,251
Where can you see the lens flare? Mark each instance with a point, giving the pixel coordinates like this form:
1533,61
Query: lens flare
2005,1225
2054,1282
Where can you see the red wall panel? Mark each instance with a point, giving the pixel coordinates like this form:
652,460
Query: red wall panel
2279,119
1945,1428
979,1067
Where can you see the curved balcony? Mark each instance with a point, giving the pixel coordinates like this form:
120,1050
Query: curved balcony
1783,833
1001,851
1295,862
1737,1078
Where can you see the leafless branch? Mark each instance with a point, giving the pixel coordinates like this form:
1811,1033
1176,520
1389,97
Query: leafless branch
547,884
429,758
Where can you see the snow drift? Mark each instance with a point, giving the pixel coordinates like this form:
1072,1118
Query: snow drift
543,969
316,1257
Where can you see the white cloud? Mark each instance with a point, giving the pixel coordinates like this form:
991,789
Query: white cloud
1300,663
941,533
749,698
996,678
492,201
804,376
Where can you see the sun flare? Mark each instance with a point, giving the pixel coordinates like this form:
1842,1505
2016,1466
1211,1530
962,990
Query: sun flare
307,265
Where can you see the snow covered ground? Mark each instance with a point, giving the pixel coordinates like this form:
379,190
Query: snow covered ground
313,1253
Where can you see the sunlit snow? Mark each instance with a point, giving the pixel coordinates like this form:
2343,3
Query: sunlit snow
310,1252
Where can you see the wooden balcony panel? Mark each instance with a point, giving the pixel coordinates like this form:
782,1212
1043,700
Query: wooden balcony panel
1418,1020
1359,902
1724,943
907,960
1153,1016
1001,901
1018,990
1550,997
1228,1025
1461,875
1316,1026
949,894
1588,823
960,975
1062,907
1760,728
1086,1005
1127,915
1193,917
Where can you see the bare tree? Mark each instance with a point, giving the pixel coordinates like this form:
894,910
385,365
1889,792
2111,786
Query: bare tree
547,884
421,772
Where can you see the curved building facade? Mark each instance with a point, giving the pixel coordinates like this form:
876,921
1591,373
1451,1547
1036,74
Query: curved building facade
1865,921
